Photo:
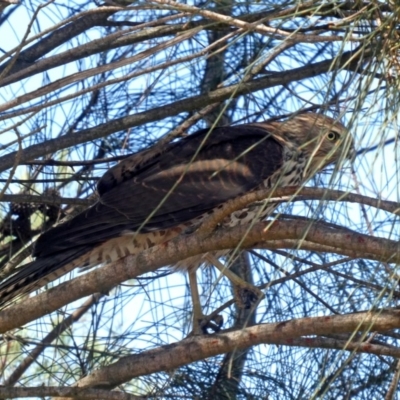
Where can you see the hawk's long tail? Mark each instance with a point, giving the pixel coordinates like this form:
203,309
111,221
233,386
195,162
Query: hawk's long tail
45,269
38,273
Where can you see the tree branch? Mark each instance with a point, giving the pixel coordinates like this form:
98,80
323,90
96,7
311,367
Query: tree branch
200,347
44,199
83,23
74,393
341,241
187,104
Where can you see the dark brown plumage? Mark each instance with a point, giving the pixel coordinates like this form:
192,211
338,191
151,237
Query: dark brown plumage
172,187
158,190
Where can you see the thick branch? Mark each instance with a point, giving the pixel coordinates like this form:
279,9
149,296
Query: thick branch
342,241
198,348
74,393
291,194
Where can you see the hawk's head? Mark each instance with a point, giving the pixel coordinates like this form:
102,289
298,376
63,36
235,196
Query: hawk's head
322,139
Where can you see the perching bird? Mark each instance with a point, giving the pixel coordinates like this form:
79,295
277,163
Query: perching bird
154,195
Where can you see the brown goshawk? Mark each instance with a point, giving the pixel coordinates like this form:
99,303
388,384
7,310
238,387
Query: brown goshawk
156,194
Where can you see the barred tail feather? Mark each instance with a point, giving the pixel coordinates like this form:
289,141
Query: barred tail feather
38,273
45,269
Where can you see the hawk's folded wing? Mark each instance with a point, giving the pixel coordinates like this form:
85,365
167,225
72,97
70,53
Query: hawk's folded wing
187,179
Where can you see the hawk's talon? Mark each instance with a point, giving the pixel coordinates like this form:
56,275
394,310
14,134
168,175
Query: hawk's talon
202,325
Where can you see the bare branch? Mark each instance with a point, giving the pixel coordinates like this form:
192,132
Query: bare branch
200,347
304,234
61,392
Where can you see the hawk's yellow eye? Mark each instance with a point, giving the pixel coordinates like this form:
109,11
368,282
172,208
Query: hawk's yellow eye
333,136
